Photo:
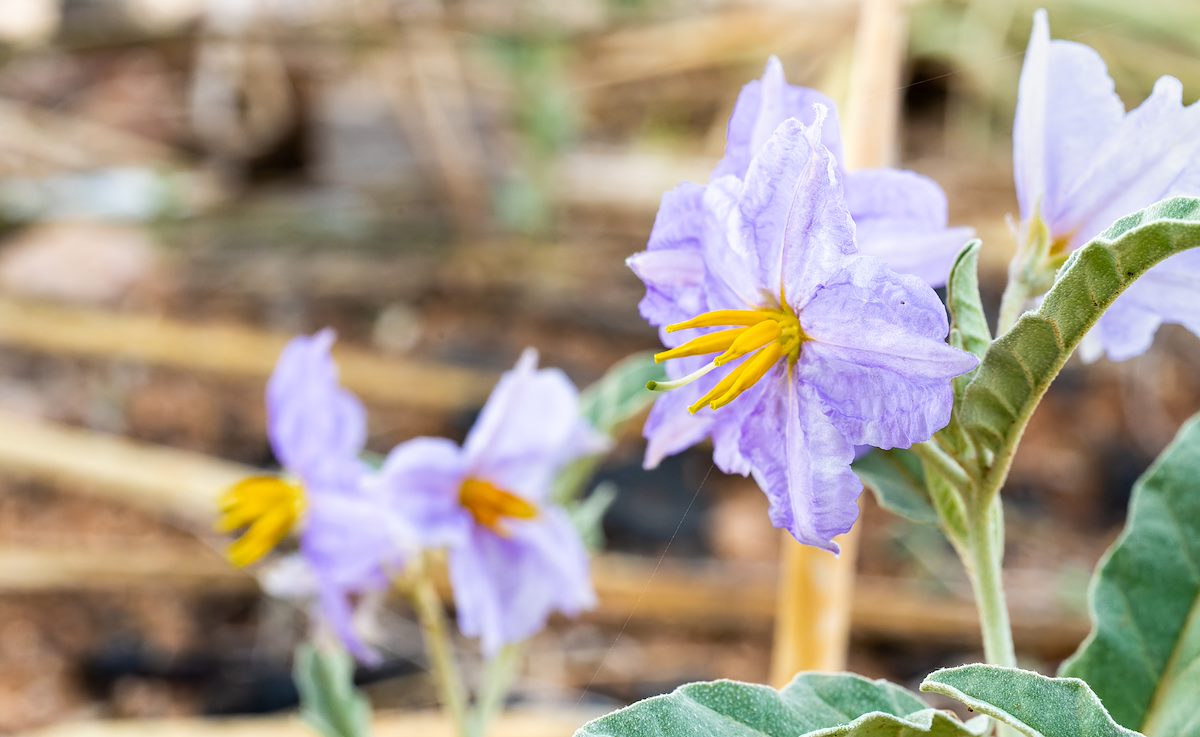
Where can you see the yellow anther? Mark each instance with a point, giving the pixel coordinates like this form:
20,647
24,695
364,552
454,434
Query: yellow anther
490,505
748,374
723,318
267,508
751,340
767,335
702,346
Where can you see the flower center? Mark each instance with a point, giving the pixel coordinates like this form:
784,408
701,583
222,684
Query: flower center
267,508
768,336
490,505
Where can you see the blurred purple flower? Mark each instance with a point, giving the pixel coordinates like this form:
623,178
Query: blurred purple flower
351,538
515,557
1081,162
835,348
900,216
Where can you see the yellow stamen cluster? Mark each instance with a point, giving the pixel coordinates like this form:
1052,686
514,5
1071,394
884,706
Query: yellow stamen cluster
267,508
490,505
766,335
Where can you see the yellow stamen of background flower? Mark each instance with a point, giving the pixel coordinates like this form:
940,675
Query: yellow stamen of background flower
490,505
267,508
767,336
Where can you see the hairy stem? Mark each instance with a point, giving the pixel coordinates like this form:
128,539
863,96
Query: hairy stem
931,453
432,616
985,545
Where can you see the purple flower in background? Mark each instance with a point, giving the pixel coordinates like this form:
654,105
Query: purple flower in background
352,540
900,216
515,557
802,348
1081,162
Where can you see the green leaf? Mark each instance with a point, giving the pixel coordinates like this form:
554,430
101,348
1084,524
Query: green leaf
328,700
1019,366
898,481
968,325
1143,655
588,514
813,705
617,397
1031,703
620,395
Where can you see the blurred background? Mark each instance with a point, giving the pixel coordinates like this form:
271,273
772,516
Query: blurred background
186,183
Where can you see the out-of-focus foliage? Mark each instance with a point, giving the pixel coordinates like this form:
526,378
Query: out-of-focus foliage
981,44
328,700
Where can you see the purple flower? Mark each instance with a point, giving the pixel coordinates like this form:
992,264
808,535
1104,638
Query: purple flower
1081,162
801,347
515,557
352,540
900,216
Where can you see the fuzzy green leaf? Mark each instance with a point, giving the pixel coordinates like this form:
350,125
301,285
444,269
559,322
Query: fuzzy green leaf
1031,703
813,705
898,481
1019,366
969,326
328,700
1143,655
620,395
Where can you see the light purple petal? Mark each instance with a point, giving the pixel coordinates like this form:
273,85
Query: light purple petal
877,356
530,427
354,544
336,610
1154,153
1066,109
761,106
671,429
672,265
791,228
900,218
317,429
421,478
505,589
802,463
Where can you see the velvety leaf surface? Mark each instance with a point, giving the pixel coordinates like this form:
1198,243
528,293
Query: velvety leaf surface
1143,655
968,325
898,482
328,700
1029,702
813,705
1019,366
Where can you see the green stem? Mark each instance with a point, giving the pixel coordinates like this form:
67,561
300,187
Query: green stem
497,679
432,616
930,452
985,544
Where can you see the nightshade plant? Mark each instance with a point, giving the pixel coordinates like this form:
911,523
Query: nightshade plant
796,304
1081,163
504,509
